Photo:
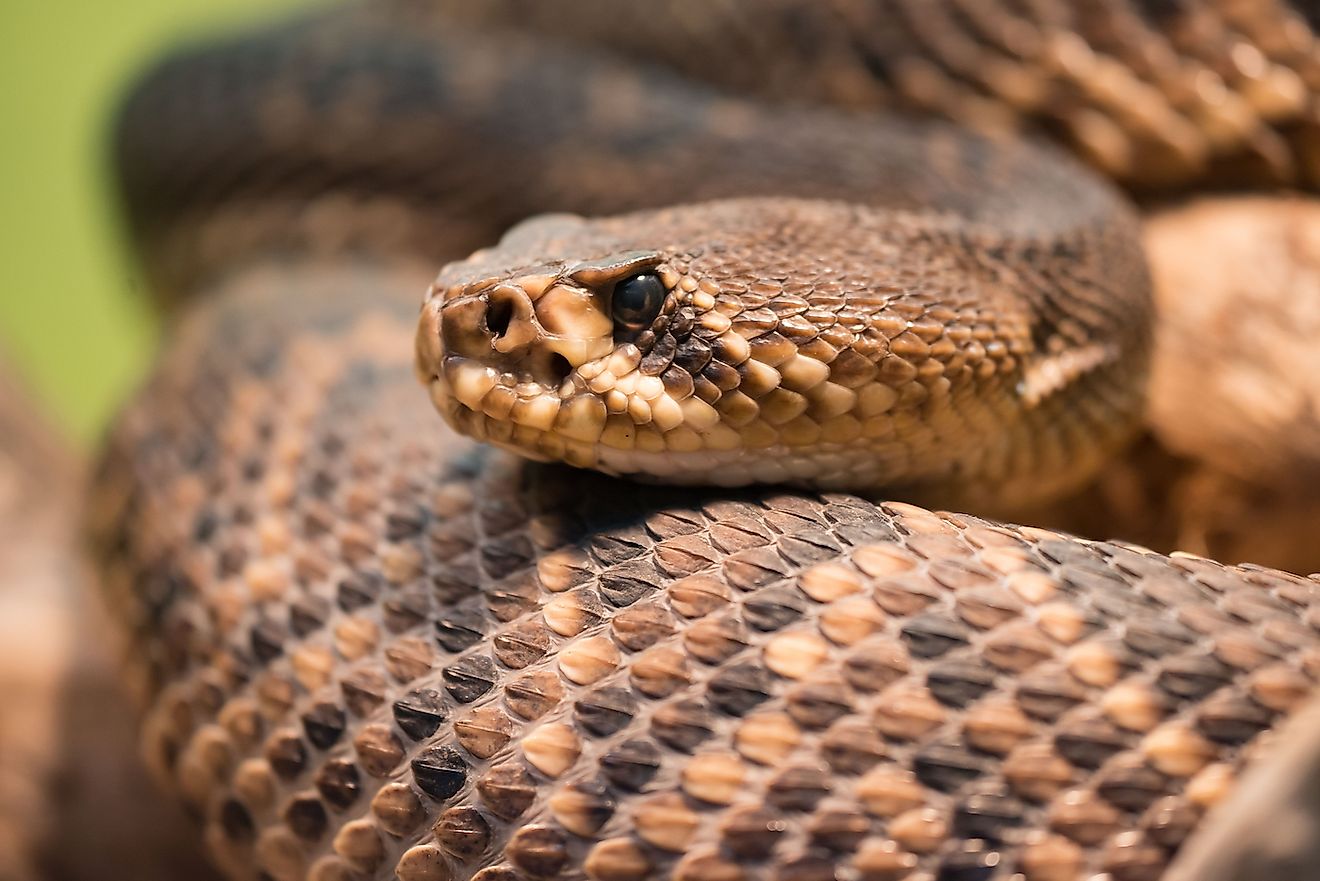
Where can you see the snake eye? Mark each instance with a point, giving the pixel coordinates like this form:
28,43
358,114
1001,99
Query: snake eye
637,301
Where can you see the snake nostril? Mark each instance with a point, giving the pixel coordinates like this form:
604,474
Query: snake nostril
498,316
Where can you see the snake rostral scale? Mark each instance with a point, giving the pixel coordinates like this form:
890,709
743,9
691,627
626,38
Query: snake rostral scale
371,648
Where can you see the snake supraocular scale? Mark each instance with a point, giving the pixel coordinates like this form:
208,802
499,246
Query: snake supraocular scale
370,648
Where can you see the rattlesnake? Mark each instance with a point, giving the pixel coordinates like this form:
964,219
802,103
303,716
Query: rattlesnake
370,648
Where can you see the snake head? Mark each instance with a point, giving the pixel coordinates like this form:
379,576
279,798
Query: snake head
761,341
671,345
561,358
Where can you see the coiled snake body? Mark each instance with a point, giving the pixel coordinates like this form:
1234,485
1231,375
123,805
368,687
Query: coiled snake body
370,648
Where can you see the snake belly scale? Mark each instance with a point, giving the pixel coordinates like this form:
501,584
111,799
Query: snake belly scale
370,647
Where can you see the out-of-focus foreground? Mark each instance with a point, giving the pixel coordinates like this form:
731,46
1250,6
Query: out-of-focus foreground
75,334
67,742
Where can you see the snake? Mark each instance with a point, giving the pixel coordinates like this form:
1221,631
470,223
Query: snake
758,326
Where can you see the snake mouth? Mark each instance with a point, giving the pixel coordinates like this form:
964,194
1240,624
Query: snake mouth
524,440
719,468
575,425
516,413
728,468
547,428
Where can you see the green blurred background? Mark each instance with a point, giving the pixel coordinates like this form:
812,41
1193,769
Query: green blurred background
70,314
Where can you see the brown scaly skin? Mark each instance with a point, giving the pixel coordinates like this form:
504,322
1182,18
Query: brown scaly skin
375,648
1156,94
296,159
369,648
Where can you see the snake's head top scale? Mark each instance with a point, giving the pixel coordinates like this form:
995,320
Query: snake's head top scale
746,341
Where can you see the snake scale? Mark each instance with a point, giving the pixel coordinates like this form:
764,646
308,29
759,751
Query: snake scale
370,647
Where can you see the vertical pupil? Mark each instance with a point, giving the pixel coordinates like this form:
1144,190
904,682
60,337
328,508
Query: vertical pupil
637,300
